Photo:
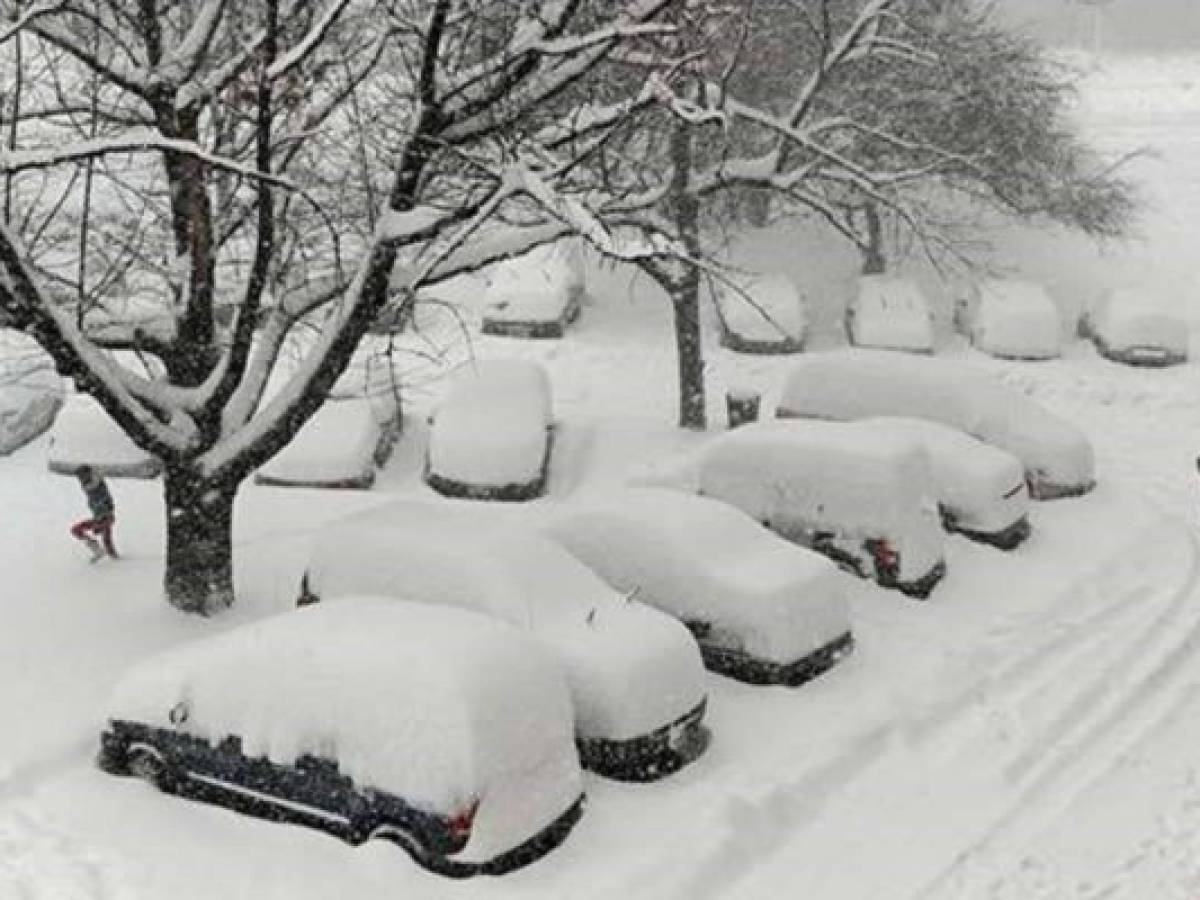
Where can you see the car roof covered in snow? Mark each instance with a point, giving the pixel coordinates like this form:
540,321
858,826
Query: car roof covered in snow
425,702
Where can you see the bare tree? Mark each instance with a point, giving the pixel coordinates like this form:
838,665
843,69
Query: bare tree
218,107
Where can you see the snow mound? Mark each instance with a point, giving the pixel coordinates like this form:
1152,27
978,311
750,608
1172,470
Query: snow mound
340,446
854,384
539,286
83,434
1016,319
761,313
609,647
492,428
890,313
705,561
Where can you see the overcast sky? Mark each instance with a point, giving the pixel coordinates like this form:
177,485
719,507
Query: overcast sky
1129,25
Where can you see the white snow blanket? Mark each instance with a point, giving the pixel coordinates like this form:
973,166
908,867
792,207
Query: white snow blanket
854,384
890,313
493,427
442,553
703,560
342,445
1139,320
763,309
805,477
539,286
1016,319
83,434
29,401
438,706
981,486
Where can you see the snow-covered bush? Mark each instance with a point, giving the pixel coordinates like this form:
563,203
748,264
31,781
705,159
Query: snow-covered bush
890,313
633,670
866,499
1016,320
84,434
762,609
441,708
491,435
761,314
854,384
981,489
537,294
1138,327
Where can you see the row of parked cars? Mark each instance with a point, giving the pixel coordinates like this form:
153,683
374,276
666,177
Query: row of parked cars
452,666
1007,318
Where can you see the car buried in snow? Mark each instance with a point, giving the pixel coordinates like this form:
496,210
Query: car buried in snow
1138,328
536,295
867,502
1015,319
440,730
981,490
636,675
491,436
761,314
844,385
762,609
890,313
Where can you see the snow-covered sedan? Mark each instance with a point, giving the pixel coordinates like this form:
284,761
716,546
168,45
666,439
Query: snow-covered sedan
490,438
866,501
890,313
1138,328
84,434
1015,319
855,384
981,489
442,730
31,392
536,295
761,314
636,675
762,609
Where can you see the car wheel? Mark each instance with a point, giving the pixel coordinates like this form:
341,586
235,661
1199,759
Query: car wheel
149,765
409,844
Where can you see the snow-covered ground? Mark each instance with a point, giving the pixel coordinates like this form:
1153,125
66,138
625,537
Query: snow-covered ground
1029,732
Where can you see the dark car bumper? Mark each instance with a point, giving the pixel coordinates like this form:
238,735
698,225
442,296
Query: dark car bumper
650,756
1006,539
755,670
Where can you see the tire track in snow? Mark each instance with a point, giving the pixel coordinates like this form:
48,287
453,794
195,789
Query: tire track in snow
1084,745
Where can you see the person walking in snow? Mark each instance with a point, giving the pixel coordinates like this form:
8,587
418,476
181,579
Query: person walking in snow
100,502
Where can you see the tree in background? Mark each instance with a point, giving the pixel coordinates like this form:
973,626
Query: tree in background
206,120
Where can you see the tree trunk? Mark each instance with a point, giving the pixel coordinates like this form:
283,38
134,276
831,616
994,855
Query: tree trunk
199,564
874,260
685,302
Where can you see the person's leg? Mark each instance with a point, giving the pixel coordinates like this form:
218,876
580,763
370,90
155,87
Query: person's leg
104,528
80,531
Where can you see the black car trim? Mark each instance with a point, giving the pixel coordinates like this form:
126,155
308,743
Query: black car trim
750,669
272,799
650,756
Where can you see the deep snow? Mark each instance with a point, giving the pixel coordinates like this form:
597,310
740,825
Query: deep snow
1029,732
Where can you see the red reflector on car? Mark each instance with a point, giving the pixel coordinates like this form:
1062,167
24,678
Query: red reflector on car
460,823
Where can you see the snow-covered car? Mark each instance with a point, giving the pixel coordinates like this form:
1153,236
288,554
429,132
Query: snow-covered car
762,609
1137,327
84,434
890,313
866,501
981,489
1015,319
490,438
855,384
441,730
31,394
536,295
343,445
636,675
761,314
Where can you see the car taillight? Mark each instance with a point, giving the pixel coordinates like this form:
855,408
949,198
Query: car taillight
886,558
460,822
